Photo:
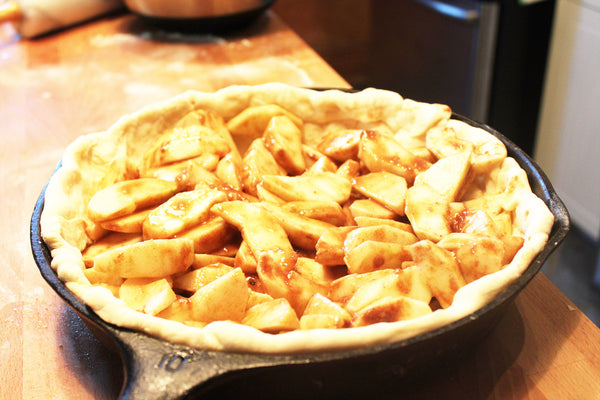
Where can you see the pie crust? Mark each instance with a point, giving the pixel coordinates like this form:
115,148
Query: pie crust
96,160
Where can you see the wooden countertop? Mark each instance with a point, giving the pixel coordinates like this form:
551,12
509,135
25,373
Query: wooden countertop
81,80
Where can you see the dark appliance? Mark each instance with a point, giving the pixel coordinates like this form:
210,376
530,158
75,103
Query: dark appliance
486,59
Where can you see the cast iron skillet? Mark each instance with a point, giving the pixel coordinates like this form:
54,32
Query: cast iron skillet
211,24
155,369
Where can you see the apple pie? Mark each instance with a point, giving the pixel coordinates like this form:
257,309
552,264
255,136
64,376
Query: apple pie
277,219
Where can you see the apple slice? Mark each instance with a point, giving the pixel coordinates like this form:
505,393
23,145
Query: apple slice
283,139
110,241
391,309
370,208
193,280
253,121
272,317
326,211
148,259
428,212
257,162
324,186
132,223
197,133
180,212
150,296
440,270
381,152
383,187
125,197
302,231
447,175
341,145
222,299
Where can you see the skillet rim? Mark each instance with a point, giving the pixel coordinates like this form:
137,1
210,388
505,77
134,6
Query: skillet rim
541,186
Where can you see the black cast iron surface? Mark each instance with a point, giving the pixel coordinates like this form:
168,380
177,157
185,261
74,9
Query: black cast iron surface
155,369
219,24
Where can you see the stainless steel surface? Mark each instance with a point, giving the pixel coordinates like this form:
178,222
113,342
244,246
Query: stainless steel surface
464,11
484,60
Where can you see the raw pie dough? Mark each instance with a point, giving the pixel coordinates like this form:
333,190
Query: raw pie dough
97,160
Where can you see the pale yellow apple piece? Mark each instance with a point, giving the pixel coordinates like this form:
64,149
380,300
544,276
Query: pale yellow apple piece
260,230
349,169
400,283
447,176
422,152
110,241
180,212
457,137
316,271
195,279
381,152
383,187
202,260
272,317
228,171
330,246
311,155
476,222
371,255
491,205
267,241
125,197
391,309
302,231
322,321
97,277
342,289
283,139
370,208
379,233
300,289
149,259
268,197
180,310
440,270
147,295
131,223
512,244
245,260
321,305
253,121
503,223
364,221
256,163
328,319
188,173
222,299
514,182
257,298
325,186
477,256
197,133
323,164
341,145
327,211
427,212
210,236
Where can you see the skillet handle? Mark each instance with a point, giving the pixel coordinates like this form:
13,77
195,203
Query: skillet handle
163,371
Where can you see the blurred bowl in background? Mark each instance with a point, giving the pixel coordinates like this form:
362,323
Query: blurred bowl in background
199,15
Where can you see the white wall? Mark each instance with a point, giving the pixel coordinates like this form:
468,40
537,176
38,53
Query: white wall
568,138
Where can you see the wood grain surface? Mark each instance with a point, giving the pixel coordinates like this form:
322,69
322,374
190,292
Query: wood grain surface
81,80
